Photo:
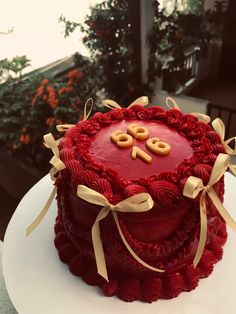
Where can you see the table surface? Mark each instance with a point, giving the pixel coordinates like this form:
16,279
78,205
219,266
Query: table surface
6,306
34,273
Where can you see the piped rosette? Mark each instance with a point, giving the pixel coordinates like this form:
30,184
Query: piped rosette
172,104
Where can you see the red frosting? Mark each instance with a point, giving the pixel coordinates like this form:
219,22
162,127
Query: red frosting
167,235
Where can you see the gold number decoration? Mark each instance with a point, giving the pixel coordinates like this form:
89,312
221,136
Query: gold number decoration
121,139
137,131
138,152
156,146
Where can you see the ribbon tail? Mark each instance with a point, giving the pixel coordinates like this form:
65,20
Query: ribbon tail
97,244
201,117
43,212
135,256
110,104
229,150
143,101
203,230
173,104
53,173
57,163
87,112
221,209
219,127
64,127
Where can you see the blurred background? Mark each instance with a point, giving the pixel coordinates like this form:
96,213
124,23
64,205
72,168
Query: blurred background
54,57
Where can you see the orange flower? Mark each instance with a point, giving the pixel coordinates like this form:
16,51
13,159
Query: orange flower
50,89
50,121
70,89
52,99
25,139
53,102
39,90
45,81
62,90
75,74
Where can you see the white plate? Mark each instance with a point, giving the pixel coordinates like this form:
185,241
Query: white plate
38,283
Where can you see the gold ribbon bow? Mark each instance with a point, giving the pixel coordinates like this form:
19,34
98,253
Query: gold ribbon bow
64,127
58,165
194,186
141,202
143,101
219,127
55,161
88,107
172,104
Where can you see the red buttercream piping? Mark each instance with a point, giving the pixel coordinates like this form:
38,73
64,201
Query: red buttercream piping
152,289
166,190
149,289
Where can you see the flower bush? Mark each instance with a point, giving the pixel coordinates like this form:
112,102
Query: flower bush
33,106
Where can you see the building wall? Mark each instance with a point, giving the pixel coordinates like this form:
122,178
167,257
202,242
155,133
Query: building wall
209,4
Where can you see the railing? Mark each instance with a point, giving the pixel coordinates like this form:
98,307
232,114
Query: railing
227,114
191,64
184,75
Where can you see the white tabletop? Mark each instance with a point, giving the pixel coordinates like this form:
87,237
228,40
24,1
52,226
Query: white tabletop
38,283
6,306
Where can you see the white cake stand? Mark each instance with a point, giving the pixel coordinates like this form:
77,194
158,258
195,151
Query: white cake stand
38,283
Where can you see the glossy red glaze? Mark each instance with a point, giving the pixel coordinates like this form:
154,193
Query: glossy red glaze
119,159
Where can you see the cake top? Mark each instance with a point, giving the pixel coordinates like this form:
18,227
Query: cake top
90,155
119,159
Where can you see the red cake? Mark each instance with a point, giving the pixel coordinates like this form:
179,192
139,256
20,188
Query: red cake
165,237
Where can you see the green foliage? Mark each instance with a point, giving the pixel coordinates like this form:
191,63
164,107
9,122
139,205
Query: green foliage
69,26
108,35
174,35
195,6
32,106
11,69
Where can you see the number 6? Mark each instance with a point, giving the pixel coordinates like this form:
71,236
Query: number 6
156,146
139,132
121,139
